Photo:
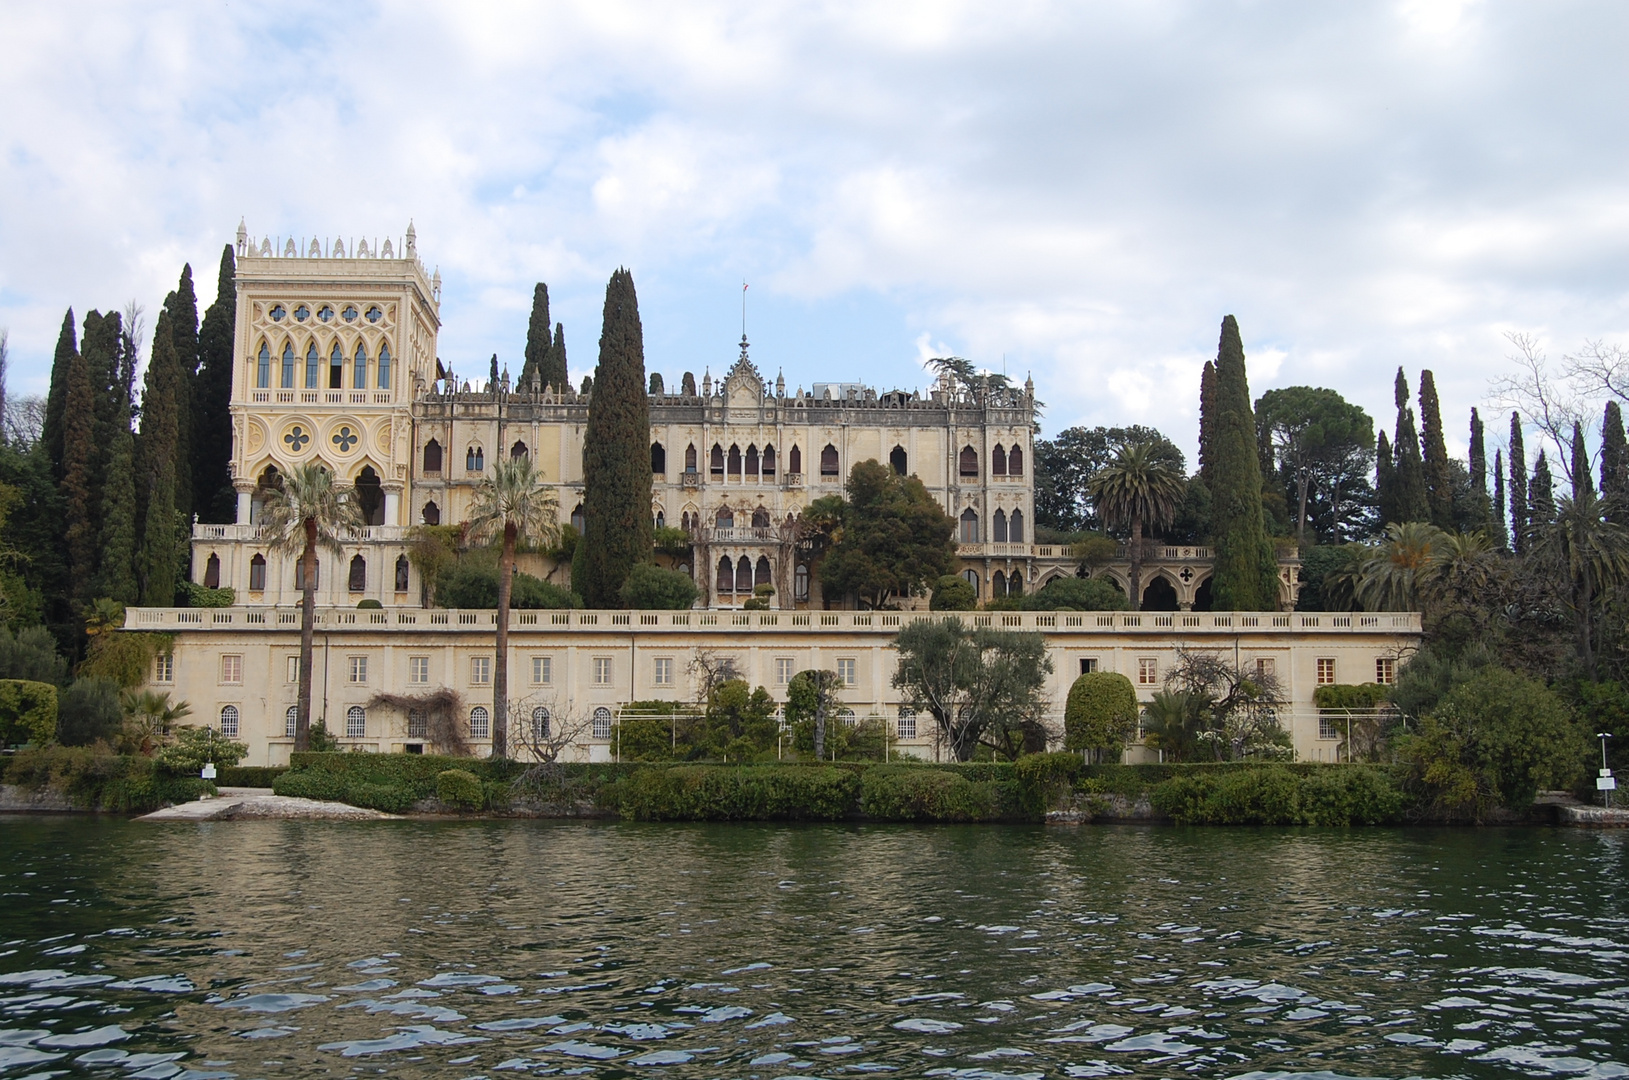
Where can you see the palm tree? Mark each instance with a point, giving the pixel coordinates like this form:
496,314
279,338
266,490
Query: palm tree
1396,575
306,511
1133,490
150,713
512,504
1590,552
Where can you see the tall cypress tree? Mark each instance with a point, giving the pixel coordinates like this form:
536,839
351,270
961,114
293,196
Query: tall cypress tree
1207,408
155,479
1501,537
1246,572
1541,494
51,433
616,455
1385,479
182,306
537,337
212,493
1581,480
116,572
1614,457
1438,480
1413,502
1518,487
555,372
1479,517
102,345
78,461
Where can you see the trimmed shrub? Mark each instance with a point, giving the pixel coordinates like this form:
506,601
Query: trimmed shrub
1350,696
650,587
261,776
193,746
28,712
736,793
1101,713
1277,795
95,778
457,788
203,596
1076,594
917,793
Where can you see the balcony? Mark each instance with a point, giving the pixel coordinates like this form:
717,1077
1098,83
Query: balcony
256,534
740,535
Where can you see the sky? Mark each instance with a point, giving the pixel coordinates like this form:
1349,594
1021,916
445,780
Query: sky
1077,192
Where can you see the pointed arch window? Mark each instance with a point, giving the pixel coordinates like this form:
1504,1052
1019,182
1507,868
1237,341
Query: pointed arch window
401,573
970,526
579,520
263,367
384,367
768,465
998,527
684,521
800,582
726,574
1015,527
794,460
257,573
1015,461
517,451
752,460
313,362
972,578
998,461
998,584
899,461
288,366
212,572
432,456
724,519
359,574
336,369
359,364
969,462
432,513
299,574
690,458
658,459
743,575
715,462
474,459
762,574
661,520
760,518
735,460
828,461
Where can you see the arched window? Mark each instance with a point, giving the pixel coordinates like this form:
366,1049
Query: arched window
794,461
684,521
735,460
715,461
359,574
972,578
212,572
800,582
474,459
828,461
998,527
418,724
517,451
658,458
661,520
743,575
969,461
1015,583
760,518
848,718
998,461
401,573
998,584
752,459
257,573
288,366
370,496
1015,462
724,519
579,520
602,723
356,722
1015,527
384,367
336,368
229,721
299,574
291,720
970,526
768,465
432,456
761,573
480,723
726,574
898,460
359,365
263,367
540,723
690,458
907,722
432,513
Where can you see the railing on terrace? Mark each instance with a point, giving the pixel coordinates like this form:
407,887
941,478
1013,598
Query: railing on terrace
1183,623
258,534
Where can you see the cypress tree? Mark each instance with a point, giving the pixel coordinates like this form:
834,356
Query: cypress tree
213,496
102,346
1246,571
1413,502
1518,487
1501,537
1438,481
78,461
1479,517
537,337
155,479
1614,456
182,306
616,455
51,433
1207,407
1541,494
116,574
1385,479
1581,480
555,371
655,383
492,379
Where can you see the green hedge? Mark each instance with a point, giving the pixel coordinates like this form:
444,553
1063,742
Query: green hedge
95,778
1276,795
912,793
250,775
736,793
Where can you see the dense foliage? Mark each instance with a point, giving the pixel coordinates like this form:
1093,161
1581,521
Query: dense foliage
1100,716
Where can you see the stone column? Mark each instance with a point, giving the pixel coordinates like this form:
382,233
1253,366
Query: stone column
393,499
245,495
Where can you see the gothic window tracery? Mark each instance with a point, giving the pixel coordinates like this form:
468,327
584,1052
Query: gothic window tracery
735,460
1015,462
828,461
384,367
970,526
432,513
899,461
312,362
998,461
768,465
474,458
288,365
432,456
794,460
359,378
263,367
336,369
715,464
969,462
517,451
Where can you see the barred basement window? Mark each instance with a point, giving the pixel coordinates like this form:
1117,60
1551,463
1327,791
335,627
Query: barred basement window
356,722
1327,728
229,721
602,723
480,723
291,720
540,723
418,724
848,718
907,722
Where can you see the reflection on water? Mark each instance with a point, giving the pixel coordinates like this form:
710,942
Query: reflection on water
501,949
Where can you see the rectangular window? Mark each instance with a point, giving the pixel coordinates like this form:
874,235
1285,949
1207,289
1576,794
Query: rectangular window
542,670
1326,670
480,670
1385,670
418,724
783,670
293,669
359,669
602,671
664,671
1327,728
1148,671
1266,667
418,670
845,672
164,669
232,668
1088,664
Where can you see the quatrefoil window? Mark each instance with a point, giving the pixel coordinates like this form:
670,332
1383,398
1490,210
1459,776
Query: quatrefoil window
1186,575
277,312
345,438
374,314
296,438
325,313
302,313
349,313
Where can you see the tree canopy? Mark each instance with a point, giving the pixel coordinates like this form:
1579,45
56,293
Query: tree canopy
890,538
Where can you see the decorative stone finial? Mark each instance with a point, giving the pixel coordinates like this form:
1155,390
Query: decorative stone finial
780,384
412,239
243,236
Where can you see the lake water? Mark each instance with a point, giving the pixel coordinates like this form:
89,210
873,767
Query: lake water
502,949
